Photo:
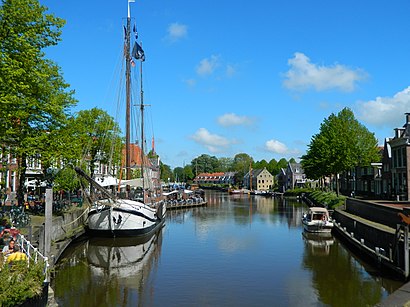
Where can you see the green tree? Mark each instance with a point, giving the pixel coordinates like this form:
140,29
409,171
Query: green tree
166,173
33,93
241,165
179,173
282,163
188,173
97,138
67,180
272,167
226,164
341,144
260,164
205,164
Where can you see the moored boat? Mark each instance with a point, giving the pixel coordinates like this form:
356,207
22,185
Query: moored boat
141,210
317,220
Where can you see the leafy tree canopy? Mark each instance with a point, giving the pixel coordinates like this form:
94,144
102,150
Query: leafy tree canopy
341,144
205,164
34,97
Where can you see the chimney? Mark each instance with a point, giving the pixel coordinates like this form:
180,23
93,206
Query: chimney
407,118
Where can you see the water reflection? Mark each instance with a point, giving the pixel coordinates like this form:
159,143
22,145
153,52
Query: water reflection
336,275
318,244
106,271
238,251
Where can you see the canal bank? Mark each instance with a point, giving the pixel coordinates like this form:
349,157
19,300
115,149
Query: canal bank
64,229
379,233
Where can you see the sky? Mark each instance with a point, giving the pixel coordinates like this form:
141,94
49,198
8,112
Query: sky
256,77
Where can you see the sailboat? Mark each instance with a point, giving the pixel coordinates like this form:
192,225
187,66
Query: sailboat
134,215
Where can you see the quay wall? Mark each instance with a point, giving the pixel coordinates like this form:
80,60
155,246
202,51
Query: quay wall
67,225
373,211
65,229
373,239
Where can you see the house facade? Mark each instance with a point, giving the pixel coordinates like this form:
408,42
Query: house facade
258,179
9,179
400,161
215,178
295,176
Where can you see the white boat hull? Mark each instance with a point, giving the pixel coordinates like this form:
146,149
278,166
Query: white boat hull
317,226
125,218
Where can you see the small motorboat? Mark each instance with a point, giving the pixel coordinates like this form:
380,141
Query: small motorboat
317,220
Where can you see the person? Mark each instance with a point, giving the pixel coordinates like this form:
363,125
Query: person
15,256
8,249
5,238
4,224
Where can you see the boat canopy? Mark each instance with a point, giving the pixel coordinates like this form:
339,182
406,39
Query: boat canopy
318,209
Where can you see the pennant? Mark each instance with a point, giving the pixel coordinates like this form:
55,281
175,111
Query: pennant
138,53
135,32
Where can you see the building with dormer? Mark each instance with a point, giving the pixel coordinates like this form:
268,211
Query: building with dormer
258,179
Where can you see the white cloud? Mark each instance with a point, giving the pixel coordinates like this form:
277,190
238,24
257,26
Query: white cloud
304,75
232,119
190,82
387,111
230,70
213,142
276,147
207,66
177,31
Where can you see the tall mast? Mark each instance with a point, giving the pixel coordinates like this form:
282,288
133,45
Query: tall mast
128,94
142,129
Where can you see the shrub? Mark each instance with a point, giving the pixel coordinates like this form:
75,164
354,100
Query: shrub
327,199
20,282
297,191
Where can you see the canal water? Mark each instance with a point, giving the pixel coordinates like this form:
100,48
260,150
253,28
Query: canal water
239,250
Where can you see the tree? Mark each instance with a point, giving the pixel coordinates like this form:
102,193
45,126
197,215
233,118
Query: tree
272,167
205,164
225,164
282,163
241,165
97,137
179,173
67,180
341,144
188,173
166,173
33,94
260,164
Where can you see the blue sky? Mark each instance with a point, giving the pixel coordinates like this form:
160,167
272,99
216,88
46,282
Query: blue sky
256,77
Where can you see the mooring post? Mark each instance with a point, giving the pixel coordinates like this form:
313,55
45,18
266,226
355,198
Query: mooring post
406,251
48,222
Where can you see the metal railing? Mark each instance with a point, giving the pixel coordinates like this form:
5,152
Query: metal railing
33,254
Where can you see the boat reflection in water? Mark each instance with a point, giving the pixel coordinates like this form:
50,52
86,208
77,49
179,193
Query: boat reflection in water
121,258
108,271
318,243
